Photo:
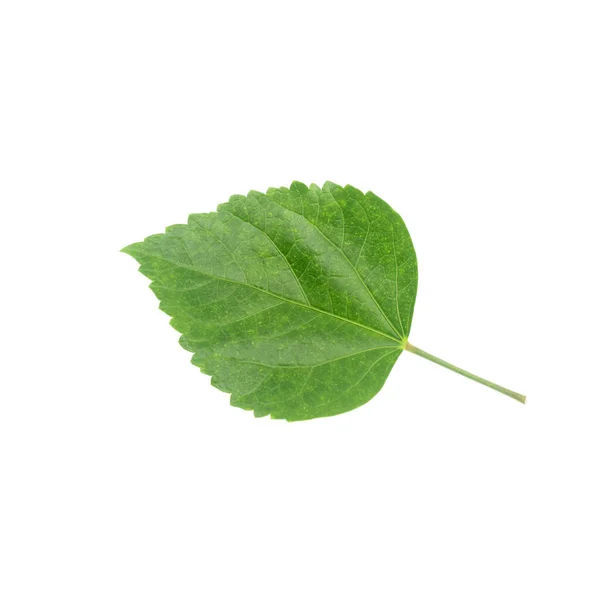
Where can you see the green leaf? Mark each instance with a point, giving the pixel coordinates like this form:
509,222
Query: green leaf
298,301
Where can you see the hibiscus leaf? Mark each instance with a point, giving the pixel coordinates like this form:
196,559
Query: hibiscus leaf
298,301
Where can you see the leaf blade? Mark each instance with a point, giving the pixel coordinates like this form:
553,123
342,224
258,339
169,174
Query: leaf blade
271,304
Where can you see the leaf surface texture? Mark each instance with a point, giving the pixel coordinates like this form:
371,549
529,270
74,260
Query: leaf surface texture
297,301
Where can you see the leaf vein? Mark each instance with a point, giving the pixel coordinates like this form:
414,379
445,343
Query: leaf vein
193,267
351,265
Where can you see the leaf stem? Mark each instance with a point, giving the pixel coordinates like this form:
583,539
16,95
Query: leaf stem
443,363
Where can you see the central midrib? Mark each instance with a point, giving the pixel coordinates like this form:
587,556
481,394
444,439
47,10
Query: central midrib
249,285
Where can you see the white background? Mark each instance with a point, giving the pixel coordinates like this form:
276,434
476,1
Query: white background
124,474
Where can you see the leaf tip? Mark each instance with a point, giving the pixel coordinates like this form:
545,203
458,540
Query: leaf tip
128,249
